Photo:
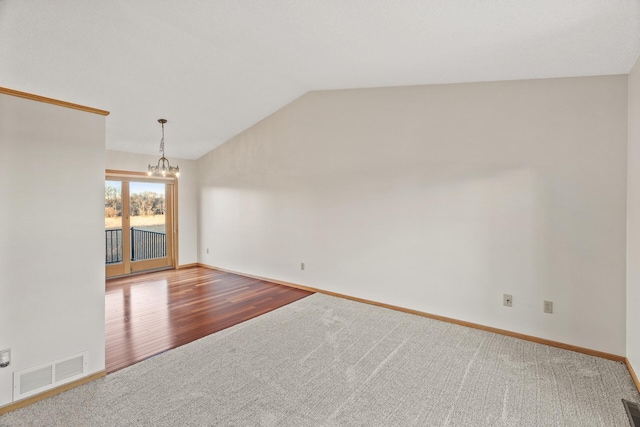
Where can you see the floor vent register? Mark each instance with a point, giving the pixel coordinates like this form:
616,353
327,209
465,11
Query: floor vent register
633,412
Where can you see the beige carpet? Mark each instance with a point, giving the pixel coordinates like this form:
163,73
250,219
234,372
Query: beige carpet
324,361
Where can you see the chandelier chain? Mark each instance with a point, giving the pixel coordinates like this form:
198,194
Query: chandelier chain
162,141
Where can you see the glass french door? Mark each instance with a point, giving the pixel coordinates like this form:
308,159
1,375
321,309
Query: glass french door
139,232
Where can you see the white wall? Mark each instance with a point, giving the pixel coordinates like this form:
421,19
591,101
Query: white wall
438,198
633,223
52,243
187,196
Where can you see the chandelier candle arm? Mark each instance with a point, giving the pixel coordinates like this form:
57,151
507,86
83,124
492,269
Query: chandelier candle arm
163,168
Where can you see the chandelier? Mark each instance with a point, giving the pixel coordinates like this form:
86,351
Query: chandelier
163,168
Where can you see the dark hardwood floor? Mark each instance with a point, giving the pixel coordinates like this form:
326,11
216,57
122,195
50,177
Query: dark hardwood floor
151,313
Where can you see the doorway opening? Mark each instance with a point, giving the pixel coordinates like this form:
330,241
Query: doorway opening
140,223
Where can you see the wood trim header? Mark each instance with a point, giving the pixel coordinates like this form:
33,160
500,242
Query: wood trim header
38,98
137,176
125,173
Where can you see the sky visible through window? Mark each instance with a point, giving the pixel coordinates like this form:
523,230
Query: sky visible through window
139,187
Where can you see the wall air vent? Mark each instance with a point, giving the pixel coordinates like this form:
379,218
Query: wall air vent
69,368
34,380
37,379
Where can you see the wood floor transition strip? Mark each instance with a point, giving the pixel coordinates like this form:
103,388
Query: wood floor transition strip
150,313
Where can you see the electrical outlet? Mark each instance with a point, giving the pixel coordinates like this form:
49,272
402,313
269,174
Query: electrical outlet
5,358
207,250
302,266
548,307
507,300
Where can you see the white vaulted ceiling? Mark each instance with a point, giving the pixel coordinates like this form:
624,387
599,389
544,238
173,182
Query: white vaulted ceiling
215,67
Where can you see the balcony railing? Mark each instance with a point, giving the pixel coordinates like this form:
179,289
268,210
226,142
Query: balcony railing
145,245
113,246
